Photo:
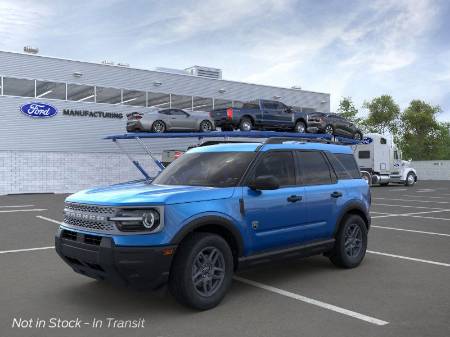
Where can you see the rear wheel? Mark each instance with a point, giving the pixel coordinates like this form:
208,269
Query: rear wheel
358,136
351,242
159,127
206,126
245,124
202,271
300,127
410,179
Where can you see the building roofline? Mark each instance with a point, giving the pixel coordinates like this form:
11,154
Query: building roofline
162,72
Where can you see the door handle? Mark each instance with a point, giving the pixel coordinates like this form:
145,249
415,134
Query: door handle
294,198
336,194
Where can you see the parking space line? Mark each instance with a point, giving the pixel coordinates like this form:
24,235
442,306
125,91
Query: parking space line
16,206
409,258
406,206
305,299
410,230
25,250
414,200
430,197
409,214
428,217
48,219
23,210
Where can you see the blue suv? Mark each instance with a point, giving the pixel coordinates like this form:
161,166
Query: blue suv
216,209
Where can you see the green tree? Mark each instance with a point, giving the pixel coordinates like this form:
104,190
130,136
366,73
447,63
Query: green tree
348,110
384,115
422,136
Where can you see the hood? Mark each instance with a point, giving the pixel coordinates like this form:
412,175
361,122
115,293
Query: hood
142,193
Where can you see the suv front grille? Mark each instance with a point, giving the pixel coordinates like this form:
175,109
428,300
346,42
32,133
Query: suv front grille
102,226
89,217
89,208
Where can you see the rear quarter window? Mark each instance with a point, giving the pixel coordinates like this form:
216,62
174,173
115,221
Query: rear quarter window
344,165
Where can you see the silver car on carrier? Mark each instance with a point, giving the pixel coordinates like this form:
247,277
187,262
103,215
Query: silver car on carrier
163,120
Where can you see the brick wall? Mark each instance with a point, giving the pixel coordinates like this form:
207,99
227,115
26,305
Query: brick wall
60,172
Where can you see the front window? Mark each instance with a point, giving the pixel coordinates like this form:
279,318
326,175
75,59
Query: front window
212,169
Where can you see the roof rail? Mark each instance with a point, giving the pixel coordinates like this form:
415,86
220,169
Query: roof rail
281,140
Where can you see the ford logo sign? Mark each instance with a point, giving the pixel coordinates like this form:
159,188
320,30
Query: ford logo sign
38,110
367,140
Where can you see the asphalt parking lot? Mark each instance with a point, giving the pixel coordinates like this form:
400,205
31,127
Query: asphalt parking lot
401,289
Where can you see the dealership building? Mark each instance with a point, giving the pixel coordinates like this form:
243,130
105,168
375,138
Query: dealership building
65,151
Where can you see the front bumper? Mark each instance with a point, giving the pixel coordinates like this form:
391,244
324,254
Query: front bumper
99,258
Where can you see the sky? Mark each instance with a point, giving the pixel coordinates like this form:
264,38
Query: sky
358,49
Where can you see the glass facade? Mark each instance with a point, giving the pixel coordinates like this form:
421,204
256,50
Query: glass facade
23,87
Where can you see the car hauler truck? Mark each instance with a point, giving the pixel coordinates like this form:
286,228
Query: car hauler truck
380,162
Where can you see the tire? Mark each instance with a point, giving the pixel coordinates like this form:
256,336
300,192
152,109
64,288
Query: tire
410,179
184,268
245,124
329,129
384,184
351,256
158,126
357,135
300,127
206,126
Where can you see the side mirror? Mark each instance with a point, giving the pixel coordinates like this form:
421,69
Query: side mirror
264,183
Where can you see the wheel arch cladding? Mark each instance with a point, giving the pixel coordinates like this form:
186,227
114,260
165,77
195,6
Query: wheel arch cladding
355,208
215,225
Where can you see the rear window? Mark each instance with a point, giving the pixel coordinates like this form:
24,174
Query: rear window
344,165
314,168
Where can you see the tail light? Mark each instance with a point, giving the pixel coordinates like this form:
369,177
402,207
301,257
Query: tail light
230,113
177,154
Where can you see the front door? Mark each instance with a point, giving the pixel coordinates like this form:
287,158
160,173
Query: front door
275,217
276,115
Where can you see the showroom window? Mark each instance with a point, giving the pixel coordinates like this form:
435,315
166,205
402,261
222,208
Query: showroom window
182,102
158,100
134,97
202,104
222,103
108,95
18,87
52,90
80,93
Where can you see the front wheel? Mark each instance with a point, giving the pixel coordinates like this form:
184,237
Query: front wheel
329,129
202,271
300,127
351,242
410,179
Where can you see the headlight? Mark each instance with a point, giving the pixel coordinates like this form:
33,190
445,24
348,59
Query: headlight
138,220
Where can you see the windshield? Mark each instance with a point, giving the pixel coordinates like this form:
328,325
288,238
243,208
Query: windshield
213,169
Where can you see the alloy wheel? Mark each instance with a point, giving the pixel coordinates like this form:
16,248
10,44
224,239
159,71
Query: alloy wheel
208,271
205,126
329,130
353,240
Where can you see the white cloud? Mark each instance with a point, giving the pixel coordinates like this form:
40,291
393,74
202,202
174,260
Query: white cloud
20,22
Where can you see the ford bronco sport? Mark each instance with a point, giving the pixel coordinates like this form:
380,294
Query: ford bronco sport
216,209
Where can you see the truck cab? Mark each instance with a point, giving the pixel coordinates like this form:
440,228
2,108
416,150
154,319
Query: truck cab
380,161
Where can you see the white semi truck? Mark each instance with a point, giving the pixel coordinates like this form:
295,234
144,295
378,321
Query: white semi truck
380,162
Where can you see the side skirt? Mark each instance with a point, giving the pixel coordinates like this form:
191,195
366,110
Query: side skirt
306,250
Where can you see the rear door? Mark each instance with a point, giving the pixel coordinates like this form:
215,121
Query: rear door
275,218
322,191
